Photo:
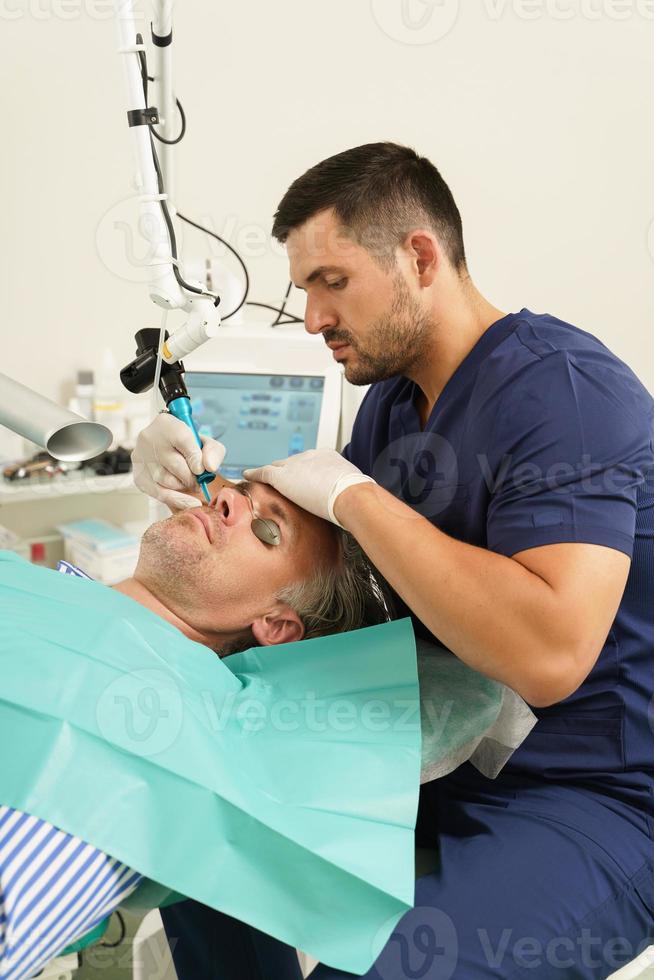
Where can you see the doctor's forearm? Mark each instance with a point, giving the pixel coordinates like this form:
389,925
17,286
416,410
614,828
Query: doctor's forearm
492,612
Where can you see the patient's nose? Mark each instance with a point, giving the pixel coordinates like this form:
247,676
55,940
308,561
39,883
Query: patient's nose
232,506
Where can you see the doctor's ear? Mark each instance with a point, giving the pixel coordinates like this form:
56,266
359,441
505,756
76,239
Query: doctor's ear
424,254
282,626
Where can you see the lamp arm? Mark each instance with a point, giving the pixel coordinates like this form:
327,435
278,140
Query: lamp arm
66,436
162,37
164,286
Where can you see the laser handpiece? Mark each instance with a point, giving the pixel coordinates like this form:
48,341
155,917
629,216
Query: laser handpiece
181,408
139,375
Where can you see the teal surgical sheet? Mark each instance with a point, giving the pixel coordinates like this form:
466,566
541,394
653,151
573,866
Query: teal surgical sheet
279,785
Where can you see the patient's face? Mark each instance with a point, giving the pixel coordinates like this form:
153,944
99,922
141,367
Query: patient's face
208,567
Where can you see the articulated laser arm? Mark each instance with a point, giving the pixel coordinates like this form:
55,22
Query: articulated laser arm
167,287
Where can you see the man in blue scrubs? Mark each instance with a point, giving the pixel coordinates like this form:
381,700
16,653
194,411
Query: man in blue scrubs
500,476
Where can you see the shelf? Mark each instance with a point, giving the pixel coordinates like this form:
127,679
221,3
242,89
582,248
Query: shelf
73,484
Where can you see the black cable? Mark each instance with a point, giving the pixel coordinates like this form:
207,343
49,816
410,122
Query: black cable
276,309
150,78
280,311
171,233
123,933
182,132
231,248
285,301
160,184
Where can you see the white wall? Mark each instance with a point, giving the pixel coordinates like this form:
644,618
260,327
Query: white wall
540,121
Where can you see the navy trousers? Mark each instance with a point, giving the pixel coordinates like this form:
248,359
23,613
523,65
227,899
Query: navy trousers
532,880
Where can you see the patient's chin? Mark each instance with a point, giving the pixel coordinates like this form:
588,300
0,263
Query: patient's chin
170,555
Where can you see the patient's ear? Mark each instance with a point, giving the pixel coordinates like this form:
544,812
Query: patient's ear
282,626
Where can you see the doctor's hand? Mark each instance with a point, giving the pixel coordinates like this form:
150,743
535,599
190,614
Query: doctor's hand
313,480
166,460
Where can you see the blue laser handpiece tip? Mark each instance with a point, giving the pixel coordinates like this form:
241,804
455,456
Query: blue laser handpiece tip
181,409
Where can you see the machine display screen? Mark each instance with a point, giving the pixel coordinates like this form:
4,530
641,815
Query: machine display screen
258,417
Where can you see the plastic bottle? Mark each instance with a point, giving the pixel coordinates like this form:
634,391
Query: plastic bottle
85,393
108,401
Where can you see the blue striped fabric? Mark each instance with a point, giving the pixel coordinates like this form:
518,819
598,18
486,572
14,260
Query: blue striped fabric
68,569
54,888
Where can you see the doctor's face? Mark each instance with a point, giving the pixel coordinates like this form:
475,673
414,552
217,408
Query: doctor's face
366,312
207,565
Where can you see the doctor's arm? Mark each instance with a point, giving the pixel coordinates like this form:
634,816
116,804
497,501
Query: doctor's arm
536,621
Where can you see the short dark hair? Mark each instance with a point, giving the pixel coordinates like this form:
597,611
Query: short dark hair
379,192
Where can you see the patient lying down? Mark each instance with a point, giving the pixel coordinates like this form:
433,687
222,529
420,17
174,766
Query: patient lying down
206,572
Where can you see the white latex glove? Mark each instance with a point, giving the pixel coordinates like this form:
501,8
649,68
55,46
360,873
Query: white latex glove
166,458
313,480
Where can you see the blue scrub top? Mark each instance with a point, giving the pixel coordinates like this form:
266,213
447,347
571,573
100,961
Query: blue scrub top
542,435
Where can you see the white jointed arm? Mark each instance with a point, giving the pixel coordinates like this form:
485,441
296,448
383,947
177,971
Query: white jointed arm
162,32
164,288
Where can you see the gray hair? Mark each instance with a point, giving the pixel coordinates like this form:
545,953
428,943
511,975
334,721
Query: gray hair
347,595
342,597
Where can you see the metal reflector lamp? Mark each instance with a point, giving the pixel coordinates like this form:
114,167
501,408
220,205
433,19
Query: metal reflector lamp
63,434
